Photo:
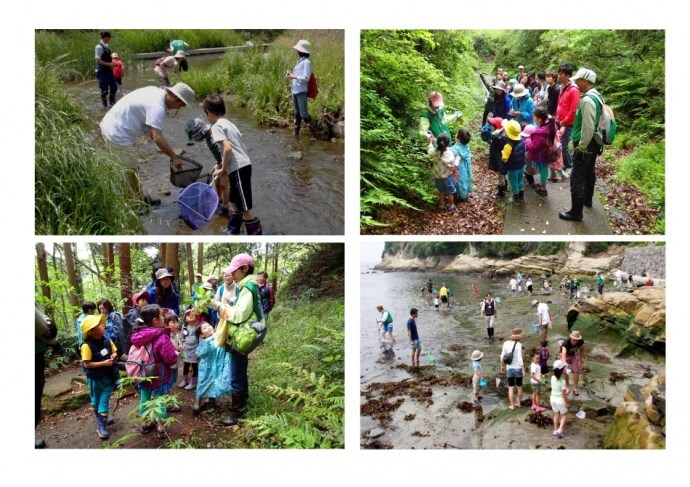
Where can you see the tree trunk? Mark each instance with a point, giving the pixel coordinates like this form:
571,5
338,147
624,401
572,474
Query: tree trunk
275,268
171,258
190,268
43,274
200,259
126,281
75,297
109,259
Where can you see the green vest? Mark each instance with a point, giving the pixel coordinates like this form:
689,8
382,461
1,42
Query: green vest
437,122
577,124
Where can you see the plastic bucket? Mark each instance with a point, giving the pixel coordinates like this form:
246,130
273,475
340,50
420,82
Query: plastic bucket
535,327
483,382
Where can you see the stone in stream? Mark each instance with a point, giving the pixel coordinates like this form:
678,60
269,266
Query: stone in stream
295,156
594,409
375,433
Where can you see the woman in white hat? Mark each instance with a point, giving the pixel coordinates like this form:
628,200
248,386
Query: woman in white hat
522,105
573,353
163,64
515,368
299,86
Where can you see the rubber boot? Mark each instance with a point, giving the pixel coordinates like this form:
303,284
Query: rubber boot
541,190
521,195
253,226
196,407
587,201
234,223
191,385
237,408
211,404
39,443
312,128
183,382
298,125
530,179
575,214
501,193
101,428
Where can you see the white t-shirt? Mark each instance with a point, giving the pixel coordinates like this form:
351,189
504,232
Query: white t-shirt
513,284
543,310
224,129
134,116
536,370
517,354
619,275
162,68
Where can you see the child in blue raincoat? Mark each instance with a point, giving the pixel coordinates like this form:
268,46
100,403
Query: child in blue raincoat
214,369
461,149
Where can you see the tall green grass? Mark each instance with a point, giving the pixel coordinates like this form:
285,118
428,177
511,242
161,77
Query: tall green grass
256,79
77,46
81,189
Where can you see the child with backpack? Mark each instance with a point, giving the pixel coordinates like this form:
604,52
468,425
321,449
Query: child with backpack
492,134
541,146
443,165
236,164
148,335
98,355
461,149
214,370
513,158
191,342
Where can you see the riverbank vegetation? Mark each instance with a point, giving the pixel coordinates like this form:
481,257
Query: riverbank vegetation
297,375
399,68
79,189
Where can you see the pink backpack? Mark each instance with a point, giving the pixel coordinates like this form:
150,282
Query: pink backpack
140,362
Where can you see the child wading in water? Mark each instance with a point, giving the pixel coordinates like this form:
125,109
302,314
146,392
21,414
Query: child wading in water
414,338
214,370
513,157
148,332
236,164
544,360
461,149
98,354
476,374
559,398
535,382
442,168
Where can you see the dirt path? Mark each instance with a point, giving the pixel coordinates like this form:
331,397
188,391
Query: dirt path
70,422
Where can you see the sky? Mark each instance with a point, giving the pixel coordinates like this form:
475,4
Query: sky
371,251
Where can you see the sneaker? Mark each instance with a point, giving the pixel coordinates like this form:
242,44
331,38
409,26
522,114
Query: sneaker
559,433
477,401
555,433
452,207
146,428
189,386
182,383
534,407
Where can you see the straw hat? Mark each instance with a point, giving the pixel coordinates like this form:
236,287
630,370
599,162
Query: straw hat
477,355
575,335
91,322
535,302
183,92
519,91
302,46
516,334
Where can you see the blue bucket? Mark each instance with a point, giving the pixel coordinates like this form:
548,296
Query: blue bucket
483,382
535,327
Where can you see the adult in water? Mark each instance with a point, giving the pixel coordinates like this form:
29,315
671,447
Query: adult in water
299,87
104,70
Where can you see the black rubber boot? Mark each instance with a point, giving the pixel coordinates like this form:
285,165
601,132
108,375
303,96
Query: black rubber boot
530,179
501,193
575,214
521,195
298,124
237,408
101,426
235,223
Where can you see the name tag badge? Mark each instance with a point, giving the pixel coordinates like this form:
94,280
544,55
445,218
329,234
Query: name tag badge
104,352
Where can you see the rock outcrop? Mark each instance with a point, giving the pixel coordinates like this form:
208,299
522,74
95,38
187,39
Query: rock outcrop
638,317
640,421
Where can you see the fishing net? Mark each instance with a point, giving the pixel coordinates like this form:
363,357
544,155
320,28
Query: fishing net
188,174
198,203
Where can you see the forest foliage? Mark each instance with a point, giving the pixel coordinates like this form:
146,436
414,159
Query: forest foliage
399,68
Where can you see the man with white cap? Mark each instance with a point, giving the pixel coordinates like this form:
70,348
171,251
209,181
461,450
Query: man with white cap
299,87
141,113
587,149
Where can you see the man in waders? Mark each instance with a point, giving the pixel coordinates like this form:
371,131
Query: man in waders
385,322
104,70
141,113
488,311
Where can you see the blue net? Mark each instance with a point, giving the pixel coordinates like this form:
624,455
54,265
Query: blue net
198,203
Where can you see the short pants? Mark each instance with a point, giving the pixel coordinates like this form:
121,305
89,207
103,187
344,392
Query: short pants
514,377
573,362
416,345
558,405
536,388
386,327
445,185
241,188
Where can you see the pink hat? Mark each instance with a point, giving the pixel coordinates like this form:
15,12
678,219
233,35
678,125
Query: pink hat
496,122
238,261
528,130
436,99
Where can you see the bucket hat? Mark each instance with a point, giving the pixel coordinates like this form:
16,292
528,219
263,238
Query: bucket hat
500,86
163,273
516,334
586,74
180,54
238,261
477,355
183,92
519,91
302,46
91,322
535,302
558,364
512,129
211,278
196,129
575,335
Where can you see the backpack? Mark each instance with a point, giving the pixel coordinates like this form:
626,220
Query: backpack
140,362
605,132
312,87
389,319
508,357
550,152
245,337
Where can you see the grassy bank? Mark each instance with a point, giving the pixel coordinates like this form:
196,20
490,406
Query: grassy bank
80,189
76,47
257,80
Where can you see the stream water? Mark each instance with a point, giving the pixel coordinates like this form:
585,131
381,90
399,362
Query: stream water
297,184
448,338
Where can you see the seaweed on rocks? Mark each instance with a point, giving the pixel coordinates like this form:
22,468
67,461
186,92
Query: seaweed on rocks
541,420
